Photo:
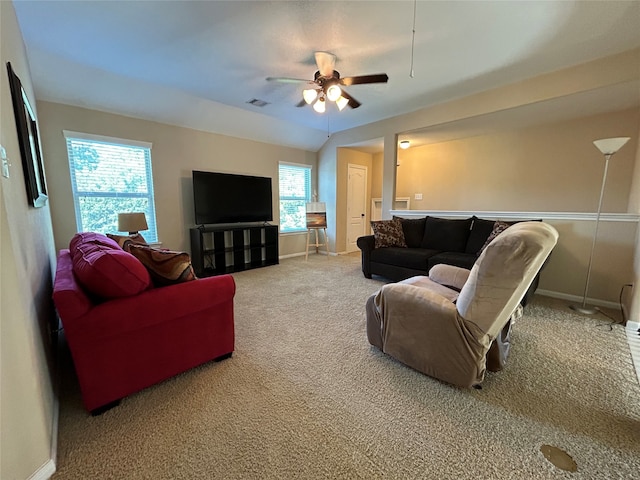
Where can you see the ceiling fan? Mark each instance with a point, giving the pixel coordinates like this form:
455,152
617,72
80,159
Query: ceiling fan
327,84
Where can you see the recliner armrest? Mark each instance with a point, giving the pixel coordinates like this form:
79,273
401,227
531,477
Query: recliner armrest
449,275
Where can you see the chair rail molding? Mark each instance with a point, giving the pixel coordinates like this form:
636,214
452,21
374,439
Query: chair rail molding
575,216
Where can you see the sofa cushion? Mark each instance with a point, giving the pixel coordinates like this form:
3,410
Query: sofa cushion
413,258
480,230
166,267
124,241
91,238
498,228
457,259
104,269
388,233
445,234
413,229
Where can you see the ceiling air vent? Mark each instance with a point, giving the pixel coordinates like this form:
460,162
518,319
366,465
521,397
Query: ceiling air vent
257,102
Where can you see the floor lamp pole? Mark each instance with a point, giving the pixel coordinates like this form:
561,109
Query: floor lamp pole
608,147
583,308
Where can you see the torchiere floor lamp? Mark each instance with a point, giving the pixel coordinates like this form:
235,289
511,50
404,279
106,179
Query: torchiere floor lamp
608,146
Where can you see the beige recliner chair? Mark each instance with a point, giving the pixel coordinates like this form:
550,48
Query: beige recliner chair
426,324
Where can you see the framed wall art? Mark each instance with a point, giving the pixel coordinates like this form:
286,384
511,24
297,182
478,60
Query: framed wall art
29,141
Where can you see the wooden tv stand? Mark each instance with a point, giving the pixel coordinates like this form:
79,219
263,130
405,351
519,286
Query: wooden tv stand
225,249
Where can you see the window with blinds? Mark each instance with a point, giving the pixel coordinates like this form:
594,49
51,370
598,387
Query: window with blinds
110,176
295,192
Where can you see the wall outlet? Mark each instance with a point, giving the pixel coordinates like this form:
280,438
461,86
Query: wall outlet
418,196
5,162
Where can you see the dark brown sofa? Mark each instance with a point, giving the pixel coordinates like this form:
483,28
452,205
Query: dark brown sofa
430,241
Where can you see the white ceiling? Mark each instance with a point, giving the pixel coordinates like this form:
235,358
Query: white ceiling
196,64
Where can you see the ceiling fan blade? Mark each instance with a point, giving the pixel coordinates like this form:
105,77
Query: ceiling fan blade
326,62
353,103
301,103
287,80
359,80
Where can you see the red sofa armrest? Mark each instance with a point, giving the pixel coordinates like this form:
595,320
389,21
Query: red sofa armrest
70,299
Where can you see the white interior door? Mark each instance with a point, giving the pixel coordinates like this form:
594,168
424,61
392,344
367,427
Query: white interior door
356,205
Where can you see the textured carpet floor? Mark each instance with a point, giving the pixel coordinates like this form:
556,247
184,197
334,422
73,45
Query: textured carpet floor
305,397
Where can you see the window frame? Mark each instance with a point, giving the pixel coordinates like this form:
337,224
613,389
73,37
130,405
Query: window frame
307,199
151,235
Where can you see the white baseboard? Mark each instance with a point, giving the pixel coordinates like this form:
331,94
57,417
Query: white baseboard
301,254
45,471
291,255
578,299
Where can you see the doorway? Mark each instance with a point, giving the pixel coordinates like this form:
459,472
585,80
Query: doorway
356,204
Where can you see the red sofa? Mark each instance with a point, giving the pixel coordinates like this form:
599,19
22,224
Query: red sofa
130,334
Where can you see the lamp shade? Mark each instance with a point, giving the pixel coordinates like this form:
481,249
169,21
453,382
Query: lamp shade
609,146
132,222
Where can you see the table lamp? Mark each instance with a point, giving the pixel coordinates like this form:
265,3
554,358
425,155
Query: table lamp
132,222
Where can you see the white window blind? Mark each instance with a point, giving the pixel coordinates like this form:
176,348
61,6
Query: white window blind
295,192
110,176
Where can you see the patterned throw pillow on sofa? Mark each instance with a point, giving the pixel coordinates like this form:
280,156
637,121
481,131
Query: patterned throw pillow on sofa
166,267
388,233
124,241
498,228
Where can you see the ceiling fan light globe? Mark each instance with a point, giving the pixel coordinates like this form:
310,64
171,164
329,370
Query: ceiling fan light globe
341,102
320,106
309,95
334,93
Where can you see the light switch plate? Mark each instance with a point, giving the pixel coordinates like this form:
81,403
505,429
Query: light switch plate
5,162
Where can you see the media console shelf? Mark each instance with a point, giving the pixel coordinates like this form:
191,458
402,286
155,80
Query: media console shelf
216,250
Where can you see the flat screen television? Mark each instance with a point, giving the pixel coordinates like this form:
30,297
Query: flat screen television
231,198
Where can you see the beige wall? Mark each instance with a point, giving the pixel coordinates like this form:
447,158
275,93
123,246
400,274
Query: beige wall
632,301
348,156
561,85
553,167
548,168
176,151
376,177
28,407
327,192
566,270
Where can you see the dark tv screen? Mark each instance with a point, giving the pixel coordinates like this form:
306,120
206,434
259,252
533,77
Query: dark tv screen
230,198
